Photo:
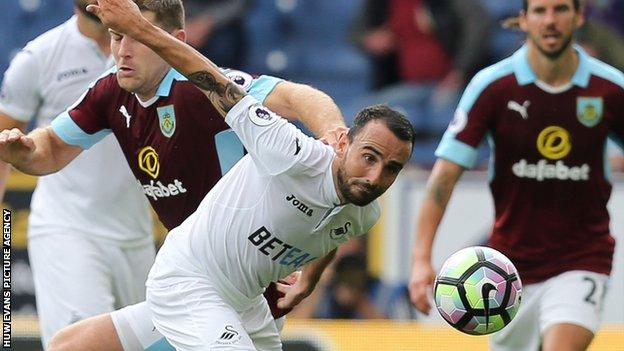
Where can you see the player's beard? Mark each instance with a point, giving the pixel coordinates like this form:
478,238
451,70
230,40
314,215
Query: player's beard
82,6
553,55
362,198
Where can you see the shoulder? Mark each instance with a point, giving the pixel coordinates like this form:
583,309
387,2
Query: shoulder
491,74
106,80
604,71
485,80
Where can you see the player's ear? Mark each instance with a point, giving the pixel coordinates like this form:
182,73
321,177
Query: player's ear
342,143
180,34
522,21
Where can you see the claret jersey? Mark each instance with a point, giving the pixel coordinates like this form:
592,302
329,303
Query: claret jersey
177,144
549,178
274,212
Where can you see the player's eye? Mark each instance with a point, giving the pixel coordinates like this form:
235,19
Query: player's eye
369,158
115,36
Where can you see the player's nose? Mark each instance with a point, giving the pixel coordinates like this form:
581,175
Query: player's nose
126,47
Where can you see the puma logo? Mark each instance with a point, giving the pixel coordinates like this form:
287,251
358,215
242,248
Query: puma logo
521,109
126,115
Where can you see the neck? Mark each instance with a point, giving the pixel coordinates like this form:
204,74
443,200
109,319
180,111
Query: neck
95,31
146,95
555,72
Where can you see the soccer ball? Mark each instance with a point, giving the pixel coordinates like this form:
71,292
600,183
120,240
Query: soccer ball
478,290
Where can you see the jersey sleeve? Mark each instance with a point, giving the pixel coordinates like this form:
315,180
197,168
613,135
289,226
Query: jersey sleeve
469,125
616,134
274,144
19,93
85,122
259,87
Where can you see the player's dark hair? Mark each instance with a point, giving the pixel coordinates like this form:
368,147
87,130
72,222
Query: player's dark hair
169,14
577,4
394,120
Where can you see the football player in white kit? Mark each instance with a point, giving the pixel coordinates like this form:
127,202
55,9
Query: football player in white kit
285,206
89,232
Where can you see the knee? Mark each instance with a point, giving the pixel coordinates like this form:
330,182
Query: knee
62,340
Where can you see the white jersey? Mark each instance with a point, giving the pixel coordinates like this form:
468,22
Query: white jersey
95,194
276,210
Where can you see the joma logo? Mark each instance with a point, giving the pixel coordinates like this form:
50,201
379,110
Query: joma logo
299,205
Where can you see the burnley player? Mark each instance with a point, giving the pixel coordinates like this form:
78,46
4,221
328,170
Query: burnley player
176,144
547,110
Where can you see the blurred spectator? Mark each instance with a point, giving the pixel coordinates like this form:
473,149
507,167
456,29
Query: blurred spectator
608,12
215,28
603,33
350,293
373,35
438,43
503,42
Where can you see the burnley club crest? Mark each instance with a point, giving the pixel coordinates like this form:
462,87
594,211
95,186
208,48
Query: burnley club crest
166,116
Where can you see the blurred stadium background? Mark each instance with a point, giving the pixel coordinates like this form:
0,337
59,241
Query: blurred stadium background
315,42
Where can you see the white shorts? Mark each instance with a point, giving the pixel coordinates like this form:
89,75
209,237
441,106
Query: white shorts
573,297
136,331
193,316
78,277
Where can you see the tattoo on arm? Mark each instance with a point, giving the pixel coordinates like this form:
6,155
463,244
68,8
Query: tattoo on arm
224,97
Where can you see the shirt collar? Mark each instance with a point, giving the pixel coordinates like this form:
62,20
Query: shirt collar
525,75
165,85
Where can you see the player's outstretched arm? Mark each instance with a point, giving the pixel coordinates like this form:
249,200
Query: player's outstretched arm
315,109
40,152
442,180
123,16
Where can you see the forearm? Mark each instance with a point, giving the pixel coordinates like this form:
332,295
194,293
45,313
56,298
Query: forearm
42,161
315,109
200,71
311,273
50,154
439,189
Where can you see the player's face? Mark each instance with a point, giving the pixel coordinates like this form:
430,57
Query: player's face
550,25
370,163
139,69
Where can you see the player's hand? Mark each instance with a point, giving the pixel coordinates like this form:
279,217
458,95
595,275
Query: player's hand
15,147
420,284
121,16
293,293
332,136
291,278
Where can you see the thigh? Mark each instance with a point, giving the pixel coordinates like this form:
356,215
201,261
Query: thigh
574,297
522,334
193,317
566,337
72,280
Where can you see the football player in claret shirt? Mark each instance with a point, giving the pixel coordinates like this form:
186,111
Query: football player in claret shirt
175,141
548,111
